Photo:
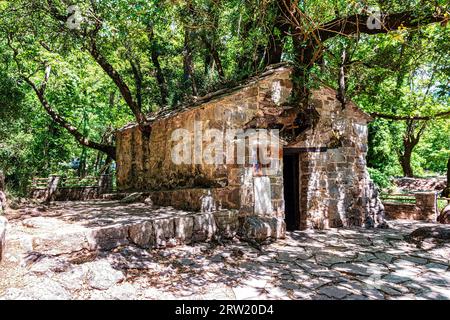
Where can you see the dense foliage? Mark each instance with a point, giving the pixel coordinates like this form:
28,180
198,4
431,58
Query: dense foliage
127,58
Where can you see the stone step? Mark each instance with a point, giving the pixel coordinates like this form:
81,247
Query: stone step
105,225
146,233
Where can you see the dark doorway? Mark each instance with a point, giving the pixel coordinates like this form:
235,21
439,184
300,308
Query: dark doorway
291,190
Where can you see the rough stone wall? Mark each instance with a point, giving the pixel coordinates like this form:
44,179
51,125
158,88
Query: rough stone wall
425,208
334,184
147,165
68,194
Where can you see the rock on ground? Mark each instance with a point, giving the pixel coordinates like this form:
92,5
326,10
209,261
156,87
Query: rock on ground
261,229
133,197
2,202
444,217
102,275
439,233
44,289
48,265
3,224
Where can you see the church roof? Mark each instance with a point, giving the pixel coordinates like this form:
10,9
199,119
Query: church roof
226,91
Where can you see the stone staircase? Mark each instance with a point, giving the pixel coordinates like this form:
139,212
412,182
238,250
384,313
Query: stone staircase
94,229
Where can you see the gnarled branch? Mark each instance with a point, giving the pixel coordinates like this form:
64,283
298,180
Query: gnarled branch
389,22
110,150
101,60
407,118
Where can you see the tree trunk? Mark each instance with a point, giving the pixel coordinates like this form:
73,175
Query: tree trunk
277,37
307,51
2,181
188,63
302,69
209,63
342,84
410,141
405,160
135,67
275,48
243,60
154,54
215,56
212,41
448,173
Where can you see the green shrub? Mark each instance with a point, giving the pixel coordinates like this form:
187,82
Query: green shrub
379,178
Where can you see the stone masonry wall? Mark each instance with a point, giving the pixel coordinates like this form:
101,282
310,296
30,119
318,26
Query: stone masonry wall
334,184
68,194
424,208
146,164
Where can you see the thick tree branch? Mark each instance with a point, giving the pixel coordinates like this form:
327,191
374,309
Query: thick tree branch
389,22
121,85
277,37
215,55
110,150
135,67
421,131
154,54
407,118
107,67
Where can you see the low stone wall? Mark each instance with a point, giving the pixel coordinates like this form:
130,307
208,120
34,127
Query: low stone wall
250,225
262,229
68,194
425,208
191,199
408,211
176,230
77,194
58,188
416,184
160,232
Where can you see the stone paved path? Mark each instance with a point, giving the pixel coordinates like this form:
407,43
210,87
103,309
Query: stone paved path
332,264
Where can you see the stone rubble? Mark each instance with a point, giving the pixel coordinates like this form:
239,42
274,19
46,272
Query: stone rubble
444,216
